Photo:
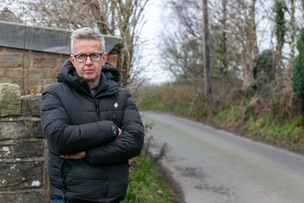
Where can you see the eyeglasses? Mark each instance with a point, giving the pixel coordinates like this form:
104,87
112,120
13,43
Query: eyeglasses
83,57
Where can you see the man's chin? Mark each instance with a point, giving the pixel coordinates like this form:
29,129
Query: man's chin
90,79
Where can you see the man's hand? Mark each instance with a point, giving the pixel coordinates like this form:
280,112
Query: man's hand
79,155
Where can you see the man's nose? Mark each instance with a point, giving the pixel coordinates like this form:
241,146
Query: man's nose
88,60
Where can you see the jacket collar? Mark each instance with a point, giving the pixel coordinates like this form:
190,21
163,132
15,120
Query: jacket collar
108,84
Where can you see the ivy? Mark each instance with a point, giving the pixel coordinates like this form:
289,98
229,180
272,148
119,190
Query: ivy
280,31
263,72
298,72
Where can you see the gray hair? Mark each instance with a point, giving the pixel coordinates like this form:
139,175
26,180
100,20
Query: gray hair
87,33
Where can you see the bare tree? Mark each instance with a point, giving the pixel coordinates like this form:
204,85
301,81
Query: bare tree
243,30
129,19
233,40
225,49
182,38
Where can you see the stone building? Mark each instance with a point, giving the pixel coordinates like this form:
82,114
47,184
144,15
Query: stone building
32,56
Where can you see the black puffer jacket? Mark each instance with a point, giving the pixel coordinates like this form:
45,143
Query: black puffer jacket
73,121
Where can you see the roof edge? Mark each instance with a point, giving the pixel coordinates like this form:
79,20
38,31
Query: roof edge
44,39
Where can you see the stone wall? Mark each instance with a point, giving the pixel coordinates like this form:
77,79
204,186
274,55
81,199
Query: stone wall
23,149
29,69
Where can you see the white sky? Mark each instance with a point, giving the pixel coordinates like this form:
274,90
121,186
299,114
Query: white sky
151,32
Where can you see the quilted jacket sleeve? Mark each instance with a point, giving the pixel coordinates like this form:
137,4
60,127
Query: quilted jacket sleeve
125,146
69,139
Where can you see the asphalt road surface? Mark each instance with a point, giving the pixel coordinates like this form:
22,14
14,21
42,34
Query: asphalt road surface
214,166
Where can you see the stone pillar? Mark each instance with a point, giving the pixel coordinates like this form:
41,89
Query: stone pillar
23,176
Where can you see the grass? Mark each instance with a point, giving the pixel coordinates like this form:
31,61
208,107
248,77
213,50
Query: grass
225,116
146,185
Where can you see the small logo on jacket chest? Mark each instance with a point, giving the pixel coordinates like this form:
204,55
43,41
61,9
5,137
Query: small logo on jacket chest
115,105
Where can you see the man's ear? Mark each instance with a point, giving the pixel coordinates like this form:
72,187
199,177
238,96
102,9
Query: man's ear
72,59
104,58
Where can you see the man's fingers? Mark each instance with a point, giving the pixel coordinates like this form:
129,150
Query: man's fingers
79,155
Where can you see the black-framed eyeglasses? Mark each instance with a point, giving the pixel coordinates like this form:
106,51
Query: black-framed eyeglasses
83,57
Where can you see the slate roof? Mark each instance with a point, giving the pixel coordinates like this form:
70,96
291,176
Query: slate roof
43,39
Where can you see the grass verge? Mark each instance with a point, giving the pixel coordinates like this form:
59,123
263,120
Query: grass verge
146,184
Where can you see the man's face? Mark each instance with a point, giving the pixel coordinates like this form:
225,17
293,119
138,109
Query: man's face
88,70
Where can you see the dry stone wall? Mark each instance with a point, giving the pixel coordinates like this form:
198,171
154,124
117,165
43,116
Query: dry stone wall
23,151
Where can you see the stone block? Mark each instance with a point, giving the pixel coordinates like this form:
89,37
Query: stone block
31,104
16,74
21,175
36,130
10,100
20,128
11,129
37,75
40,62
22,148
29,148
12,61
32,196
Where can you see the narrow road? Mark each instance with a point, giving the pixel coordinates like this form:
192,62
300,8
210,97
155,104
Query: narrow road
214,166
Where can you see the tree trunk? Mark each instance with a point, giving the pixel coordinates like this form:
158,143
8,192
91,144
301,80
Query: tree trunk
292,34
250,46
224,58
207,82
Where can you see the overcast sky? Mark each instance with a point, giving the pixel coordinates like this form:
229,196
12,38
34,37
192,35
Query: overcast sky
151,33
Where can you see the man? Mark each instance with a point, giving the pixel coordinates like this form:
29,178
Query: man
92,126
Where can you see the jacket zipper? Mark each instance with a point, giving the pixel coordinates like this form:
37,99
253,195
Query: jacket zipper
97,108
106,172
